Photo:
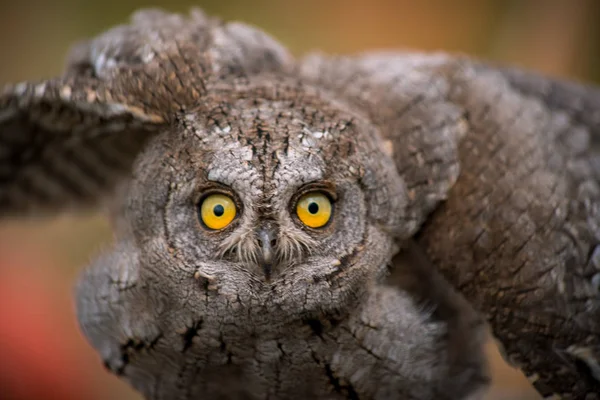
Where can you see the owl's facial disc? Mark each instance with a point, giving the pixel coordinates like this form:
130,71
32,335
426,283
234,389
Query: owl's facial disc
285,207
269,246
283,204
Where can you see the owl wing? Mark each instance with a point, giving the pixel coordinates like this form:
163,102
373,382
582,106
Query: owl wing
63,145
503,172
467,373
66,142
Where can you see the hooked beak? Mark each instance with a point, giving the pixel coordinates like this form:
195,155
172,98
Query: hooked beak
267,240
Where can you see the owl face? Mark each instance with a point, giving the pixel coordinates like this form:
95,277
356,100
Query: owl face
269,204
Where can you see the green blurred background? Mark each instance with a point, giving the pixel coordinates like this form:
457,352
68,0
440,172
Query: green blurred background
42,354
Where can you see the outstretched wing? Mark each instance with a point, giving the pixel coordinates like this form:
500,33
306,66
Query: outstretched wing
505,171
63,145
66,142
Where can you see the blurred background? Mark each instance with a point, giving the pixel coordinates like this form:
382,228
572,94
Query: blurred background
42,353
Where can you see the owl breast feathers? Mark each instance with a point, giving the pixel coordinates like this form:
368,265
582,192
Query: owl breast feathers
327,227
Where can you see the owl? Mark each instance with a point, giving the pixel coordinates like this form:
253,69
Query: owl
326,227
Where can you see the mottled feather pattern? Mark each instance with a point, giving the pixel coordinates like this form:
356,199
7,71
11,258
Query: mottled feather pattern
462,194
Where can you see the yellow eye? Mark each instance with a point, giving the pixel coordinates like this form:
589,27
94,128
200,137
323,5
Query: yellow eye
217,211
314,209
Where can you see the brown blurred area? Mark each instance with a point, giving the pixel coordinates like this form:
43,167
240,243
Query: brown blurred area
42,353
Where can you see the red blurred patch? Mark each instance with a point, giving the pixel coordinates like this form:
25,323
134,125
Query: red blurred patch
41,349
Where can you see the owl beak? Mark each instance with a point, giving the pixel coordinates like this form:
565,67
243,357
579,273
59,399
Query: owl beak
267,240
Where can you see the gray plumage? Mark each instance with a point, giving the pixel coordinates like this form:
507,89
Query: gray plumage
434,163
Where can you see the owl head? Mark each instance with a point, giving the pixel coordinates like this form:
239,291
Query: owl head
269,196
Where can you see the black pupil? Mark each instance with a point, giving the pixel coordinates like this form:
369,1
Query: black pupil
219,210
313,208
